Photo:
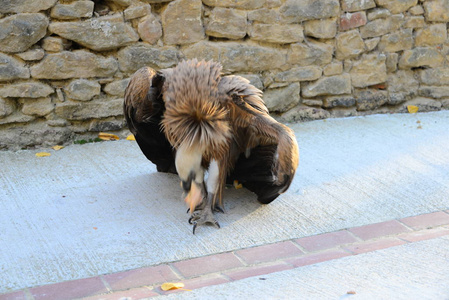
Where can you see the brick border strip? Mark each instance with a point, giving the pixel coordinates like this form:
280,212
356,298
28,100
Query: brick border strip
256,261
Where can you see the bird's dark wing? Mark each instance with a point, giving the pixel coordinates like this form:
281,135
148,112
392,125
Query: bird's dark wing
268,151
144,109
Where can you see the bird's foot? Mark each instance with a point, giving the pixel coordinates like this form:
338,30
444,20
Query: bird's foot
203,216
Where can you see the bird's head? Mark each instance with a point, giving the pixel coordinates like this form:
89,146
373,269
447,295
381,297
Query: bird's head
188,164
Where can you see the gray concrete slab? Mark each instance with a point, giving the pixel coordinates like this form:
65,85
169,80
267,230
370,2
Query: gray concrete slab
411,271
101,208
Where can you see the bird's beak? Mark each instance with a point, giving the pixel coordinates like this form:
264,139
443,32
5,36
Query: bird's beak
194,197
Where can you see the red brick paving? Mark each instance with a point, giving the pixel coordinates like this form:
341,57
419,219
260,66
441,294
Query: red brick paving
269,252
140,277
422,235
258,270
70,289
315,258
369,246
256,261
326,240
14,296
372,231
207,264
426,220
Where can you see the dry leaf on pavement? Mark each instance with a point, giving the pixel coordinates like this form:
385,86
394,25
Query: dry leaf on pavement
107,136
412,109
172,286
42,154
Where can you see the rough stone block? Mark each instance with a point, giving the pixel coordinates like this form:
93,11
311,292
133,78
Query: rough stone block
370,99
421,57
100,34
380,27
332,85
369,70
294,11
227,23
397,6
352,20
133,57
357,5
349,45
150,29
416,10
334,68
304,113
74,10
135,12
19,32
182,23
339,101
436,11
30,55
435,92
397,41
310,53
277,33
12,68
17,137
117,88
321,29
7,107
71,110
309,73
76,64
82,89
240,4
370,44
26,6
37,107
238,57
437,76
264,15
414,22
282,99
404,82
433,35
54,44
378,13
26,90
392,62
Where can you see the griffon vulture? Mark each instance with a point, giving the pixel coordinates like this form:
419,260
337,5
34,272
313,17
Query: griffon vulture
209,129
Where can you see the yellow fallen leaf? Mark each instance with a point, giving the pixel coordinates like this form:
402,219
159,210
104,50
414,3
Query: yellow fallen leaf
107,136
131,137
42,154
412,109
172,286
57,147
237,185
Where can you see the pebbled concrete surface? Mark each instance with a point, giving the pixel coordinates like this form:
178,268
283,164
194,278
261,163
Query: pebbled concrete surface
102,208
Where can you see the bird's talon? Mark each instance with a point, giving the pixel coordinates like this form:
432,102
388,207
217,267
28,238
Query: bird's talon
218,208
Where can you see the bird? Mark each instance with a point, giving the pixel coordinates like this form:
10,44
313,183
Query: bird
209,129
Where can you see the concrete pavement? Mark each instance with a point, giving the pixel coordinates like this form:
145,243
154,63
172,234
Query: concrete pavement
101,208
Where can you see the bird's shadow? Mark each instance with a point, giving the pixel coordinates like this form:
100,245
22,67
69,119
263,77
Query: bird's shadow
160,196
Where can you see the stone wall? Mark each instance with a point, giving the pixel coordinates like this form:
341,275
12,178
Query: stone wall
64,64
